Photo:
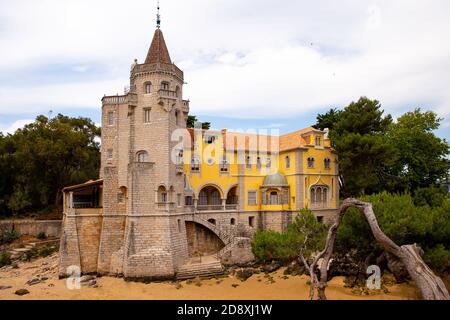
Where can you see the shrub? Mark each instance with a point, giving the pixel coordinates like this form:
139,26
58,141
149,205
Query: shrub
46,251
437,258
8,236
41,236
402,221
29,255
271,245
5,259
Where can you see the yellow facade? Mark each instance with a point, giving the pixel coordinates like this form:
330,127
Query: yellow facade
299,158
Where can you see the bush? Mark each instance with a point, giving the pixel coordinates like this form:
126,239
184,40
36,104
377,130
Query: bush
41,236
432,196
5,259
46,251
8,236
402,221
437,258
271,245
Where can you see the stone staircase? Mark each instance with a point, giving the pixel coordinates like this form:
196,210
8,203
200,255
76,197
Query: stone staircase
18,252
208,268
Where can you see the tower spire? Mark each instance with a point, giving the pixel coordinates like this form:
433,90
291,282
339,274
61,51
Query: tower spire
158,18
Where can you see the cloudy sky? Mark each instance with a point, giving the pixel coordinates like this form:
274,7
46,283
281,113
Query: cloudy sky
248,64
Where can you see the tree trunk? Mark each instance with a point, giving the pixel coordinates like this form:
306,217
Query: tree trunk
430,285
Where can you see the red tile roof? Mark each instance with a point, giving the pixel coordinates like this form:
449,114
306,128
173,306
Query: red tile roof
158,52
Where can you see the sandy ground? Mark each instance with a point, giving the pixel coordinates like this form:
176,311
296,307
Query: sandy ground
109,288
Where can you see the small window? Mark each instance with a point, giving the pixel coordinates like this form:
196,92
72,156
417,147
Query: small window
164,86
248,162
142,156
147,115
269,163
318,141
212,221
251,221
327,163
252,198
258,163
177,117
223,165
109,154
310,162
320,219
233,221
287,162
110,118
120,197
188,201
162,194
195,164
148,87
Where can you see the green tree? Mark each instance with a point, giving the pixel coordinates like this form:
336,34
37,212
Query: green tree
365,155
328,120
422,156
191,120
48,155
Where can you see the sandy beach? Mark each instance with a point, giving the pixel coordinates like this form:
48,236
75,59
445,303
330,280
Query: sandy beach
260,286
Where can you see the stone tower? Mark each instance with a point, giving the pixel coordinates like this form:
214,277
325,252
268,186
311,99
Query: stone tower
143,230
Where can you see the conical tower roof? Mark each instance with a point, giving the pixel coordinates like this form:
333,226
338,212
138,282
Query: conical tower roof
158,52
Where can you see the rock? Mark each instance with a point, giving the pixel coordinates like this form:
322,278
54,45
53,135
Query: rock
33,281
5,287
345,265
86,279
295,269
22,292
235,285
178,285
272,267
244,274
388,279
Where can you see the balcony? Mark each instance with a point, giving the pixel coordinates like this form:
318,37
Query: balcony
168,94
320,205
231,207
210,207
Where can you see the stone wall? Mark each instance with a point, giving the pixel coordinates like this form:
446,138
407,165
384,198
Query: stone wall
52,228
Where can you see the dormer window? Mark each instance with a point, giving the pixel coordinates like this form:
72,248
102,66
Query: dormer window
318,141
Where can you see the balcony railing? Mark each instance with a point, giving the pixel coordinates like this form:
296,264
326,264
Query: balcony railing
168,94
320,205
210,207
231,207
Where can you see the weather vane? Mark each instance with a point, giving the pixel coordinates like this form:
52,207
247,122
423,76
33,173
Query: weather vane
158,18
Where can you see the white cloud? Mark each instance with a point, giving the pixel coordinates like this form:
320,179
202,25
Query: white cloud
11,128
246,59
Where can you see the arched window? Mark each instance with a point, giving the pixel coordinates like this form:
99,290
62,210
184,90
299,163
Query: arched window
215,197
310,162
232,221
165,85
177,117
318,141
213,221
248,162
319,196
274,197
287,162
327,163
258,163
162,194
148,87
142,156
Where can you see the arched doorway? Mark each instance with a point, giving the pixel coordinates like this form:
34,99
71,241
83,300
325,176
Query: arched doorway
209,199
201,240
232,199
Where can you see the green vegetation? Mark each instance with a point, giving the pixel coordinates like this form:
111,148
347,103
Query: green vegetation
377,154
191,120
5,259
41,252
8,236
402,221
305,235
37,161
41,235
